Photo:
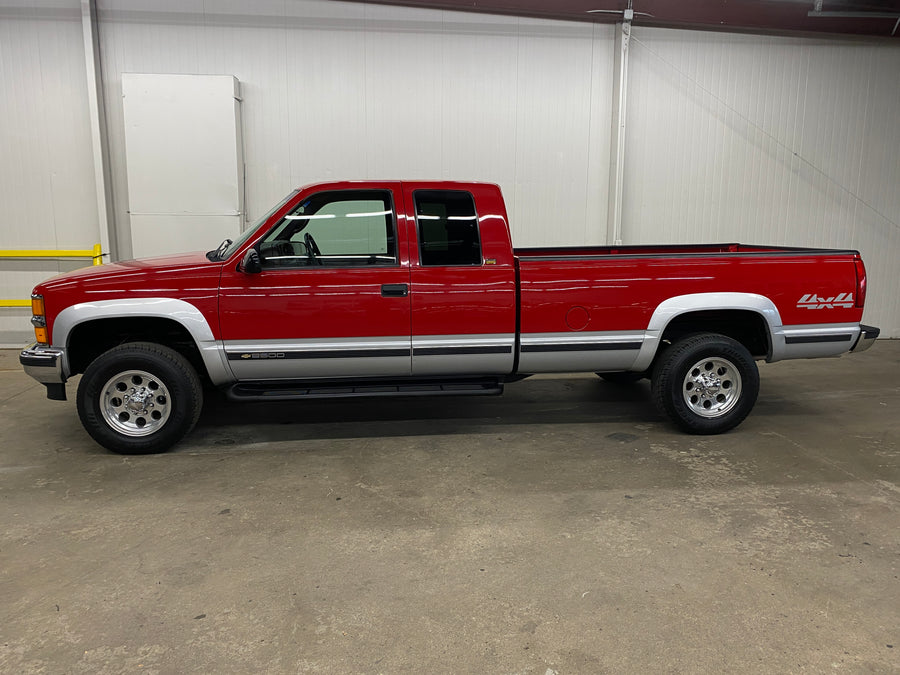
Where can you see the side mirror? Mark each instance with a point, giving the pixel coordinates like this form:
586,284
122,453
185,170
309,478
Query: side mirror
251,264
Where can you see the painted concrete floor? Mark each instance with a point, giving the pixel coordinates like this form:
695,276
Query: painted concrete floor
563,527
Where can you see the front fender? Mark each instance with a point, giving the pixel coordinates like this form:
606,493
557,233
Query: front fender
182,312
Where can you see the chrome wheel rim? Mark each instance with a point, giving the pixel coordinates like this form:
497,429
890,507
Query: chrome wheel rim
712,387
135,403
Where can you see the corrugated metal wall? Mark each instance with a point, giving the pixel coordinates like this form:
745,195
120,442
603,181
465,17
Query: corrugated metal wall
729,137
337,90
767,140
47,197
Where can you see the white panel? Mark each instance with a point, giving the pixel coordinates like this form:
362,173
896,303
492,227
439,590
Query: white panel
46,172
554,121
164,234
767,140
46,167
183,159
336,90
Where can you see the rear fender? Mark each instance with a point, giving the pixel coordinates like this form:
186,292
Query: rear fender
695,302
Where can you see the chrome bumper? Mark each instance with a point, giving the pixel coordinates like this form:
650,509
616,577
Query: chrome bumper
867,336
43,363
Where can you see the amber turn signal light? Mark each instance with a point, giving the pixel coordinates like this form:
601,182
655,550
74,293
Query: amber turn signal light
38,319
37,305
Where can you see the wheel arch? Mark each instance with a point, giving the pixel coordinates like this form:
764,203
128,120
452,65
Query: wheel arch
750,318
86,330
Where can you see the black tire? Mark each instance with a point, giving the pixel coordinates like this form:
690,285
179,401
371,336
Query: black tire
139,398
706,384
622,377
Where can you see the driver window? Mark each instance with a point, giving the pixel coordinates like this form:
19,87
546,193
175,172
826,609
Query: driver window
349,228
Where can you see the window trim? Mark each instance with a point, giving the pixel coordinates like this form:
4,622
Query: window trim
393,209
419,242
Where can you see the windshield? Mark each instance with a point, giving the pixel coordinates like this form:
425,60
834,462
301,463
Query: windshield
228,250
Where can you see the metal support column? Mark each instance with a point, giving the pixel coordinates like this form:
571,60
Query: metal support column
617,139
99,138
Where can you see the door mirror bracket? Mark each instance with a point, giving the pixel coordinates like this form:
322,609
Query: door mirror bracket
251,263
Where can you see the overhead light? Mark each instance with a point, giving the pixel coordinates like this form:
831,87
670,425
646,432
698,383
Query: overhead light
852,15
624,12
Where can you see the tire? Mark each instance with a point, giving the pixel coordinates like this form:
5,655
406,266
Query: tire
706,384
167,406
622,377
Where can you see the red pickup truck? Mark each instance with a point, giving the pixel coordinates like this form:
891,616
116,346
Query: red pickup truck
407,288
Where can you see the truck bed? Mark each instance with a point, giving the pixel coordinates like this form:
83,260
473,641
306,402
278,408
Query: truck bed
612,292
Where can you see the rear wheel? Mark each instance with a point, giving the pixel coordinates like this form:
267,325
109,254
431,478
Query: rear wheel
706,384
139,398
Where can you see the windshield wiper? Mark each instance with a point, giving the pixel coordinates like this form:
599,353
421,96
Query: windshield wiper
217,253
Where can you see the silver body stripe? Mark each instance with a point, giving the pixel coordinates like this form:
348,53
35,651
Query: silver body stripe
579,352
392,356
463,354
319,358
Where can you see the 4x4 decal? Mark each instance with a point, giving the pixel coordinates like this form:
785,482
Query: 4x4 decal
813,301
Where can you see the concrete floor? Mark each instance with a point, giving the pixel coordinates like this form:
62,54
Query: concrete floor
563,527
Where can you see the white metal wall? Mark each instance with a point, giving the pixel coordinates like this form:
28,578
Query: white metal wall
47,197
767,140
729,137
337,90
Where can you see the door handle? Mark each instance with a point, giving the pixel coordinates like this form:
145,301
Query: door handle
394,290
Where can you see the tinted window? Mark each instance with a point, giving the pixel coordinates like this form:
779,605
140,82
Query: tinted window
448,228
334,229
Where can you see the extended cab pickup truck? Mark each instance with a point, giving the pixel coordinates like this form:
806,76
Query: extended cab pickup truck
407,288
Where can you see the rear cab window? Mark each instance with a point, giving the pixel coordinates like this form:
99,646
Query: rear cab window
447,228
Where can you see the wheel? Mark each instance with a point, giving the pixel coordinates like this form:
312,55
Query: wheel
139,398
622,377
706,384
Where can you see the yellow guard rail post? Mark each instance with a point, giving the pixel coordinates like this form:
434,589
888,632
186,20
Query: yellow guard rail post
95,254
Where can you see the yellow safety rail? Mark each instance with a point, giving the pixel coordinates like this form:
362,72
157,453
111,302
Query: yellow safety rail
95,254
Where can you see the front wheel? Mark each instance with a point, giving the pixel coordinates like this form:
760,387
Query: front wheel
139,398
706,384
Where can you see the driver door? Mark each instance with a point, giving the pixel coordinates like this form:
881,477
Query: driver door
332,300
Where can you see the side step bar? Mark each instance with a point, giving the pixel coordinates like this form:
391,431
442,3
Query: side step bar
290,391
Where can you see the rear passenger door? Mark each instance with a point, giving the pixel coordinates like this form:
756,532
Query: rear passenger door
463,295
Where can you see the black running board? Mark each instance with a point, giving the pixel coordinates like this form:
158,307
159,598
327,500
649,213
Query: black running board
290,391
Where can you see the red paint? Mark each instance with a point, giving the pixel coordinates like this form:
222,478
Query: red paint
622,293
187,276
619,288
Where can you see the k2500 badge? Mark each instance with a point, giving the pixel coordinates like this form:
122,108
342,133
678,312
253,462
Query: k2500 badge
813,301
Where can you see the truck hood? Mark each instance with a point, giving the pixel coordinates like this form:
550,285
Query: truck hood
159,272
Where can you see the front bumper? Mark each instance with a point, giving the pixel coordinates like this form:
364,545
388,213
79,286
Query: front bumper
43,363
867,336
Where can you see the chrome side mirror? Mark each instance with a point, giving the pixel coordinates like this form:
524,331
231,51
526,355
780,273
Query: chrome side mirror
250,264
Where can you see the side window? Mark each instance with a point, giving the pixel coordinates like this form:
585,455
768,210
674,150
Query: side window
448,228
347,228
